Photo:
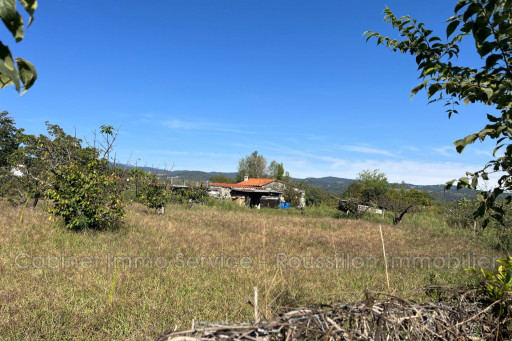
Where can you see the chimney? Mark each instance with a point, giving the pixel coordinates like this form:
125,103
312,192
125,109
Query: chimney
246,177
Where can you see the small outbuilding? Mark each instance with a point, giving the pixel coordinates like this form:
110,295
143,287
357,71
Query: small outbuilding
254,192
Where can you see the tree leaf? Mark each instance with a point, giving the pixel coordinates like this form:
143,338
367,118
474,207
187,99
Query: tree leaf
496,149
11,18
415,90
492,118
485,48
432,89
492,60
474,182
449,184
7,68
30,6
27,72
463,183
489,92
451,28
471,10
460,5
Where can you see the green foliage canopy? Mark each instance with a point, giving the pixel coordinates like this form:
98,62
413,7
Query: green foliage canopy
253,165
86,195
374,184
489,23
85,190
10,138
276,170
149,193
372,189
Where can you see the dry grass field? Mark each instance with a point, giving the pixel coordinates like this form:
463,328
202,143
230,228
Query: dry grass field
202,263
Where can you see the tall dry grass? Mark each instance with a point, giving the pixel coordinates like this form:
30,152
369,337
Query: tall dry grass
100,297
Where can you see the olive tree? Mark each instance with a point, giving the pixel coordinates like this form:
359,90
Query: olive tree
488,23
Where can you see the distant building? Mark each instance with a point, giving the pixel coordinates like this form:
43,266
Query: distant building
254,192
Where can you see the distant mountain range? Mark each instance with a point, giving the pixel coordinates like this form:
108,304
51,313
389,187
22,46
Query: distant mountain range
337,185
331,184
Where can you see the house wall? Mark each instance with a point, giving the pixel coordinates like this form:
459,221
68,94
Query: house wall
275,186
219,192
281,187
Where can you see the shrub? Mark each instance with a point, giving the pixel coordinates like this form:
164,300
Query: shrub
84,189
498,287
86,195
154,195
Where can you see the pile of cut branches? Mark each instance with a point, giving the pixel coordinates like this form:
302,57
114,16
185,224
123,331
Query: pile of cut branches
457,314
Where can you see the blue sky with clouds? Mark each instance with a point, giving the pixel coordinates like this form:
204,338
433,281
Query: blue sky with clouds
202,83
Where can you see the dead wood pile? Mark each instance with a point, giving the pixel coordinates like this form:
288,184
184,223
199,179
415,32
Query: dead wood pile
456,314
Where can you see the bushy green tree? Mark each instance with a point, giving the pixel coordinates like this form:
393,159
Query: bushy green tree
136,180
151,193
400,200
276,170
86,194
372,188
9,143
459,214
374,185
194,194
18,166
488,23
353,191
292,195
84,188
197,194
10,138
253,165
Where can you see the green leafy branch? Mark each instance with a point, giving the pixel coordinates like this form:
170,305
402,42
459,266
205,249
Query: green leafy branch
16,71
489,23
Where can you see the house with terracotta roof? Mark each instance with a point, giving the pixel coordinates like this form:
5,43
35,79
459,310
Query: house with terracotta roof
253,192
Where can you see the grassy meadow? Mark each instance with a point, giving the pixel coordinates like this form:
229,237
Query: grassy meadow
157,273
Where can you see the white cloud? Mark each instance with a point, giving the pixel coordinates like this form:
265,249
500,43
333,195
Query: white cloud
366,150
445,150
412,148
203,126
482,152
147,115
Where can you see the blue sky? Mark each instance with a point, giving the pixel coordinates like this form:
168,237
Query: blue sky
202,83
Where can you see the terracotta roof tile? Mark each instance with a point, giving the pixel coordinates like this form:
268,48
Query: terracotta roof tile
251,183
255,182
221,184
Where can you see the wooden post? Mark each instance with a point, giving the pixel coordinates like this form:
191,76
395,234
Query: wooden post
256,313
385,258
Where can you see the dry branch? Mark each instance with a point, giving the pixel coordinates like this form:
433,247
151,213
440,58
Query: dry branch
459,315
